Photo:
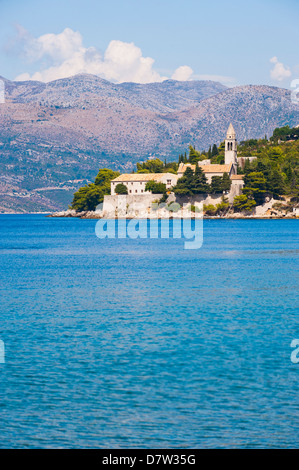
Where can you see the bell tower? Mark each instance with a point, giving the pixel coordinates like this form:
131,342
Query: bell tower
230,155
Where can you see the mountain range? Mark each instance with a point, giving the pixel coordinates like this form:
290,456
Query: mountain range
55,136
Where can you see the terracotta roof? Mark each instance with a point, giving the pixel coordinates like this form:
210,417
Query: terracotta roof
237,177
214,168
140,177
183,167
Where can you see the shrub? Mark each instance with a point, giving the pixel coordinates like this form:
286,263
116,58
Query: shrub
121,189
209,209
242,203
173,207
222,207
194,208
163,198
155,188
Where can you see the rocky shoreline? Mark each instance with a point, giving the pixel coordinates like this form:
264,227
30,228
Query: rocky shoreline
234,216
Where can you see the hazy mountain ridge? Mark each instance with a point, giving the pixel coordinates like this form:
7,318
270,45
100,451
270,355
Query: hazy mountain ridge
58,134
90,90
254,110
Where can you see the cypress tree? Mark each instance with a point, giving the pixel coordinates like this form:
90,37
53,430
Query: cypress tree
226,182
185,183
217,184
215,150
200,183
276,183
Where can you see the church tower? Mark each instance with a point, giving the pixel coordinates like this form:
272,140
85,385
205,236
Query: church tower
230,155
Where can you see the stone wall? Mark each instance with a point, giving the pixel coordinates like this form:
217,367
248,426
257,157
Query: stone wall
134,205
198,198
235,190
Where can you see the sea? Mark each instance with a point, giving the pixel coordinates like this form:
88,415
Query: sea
139,343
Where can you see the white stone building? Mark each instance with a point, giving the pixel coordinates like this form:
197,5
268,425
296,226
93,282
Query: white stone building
209,170
230,160
229,167
136,182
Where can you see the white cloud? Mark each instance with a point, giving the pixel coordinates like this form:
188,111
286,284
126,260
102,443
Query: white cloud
279,71
182,73
57,47
65,55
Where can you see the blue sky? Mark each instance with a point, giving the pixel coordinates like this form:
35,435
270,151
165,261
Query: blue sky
237,42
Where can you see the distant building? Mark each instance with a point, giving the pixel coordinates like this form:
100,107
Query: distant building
230,160
242,160
136,182
231,150
217,170
237,180
183,167
209,170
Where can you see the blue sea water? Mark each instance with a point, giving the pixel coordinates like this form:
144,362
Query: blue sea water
142,344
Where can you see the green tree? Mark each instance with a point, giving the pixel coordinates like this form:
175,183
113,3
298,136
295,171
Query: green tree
200,183
275,183
104,177
222,207
216,184
209,209
153,166
194,156
121,189
185,183
87,198
264,166
242,203
215,150
155,188
247,166
226,182
255,186
220,183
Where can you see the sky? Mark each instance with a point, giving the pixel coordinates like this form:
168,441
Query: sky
235,42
